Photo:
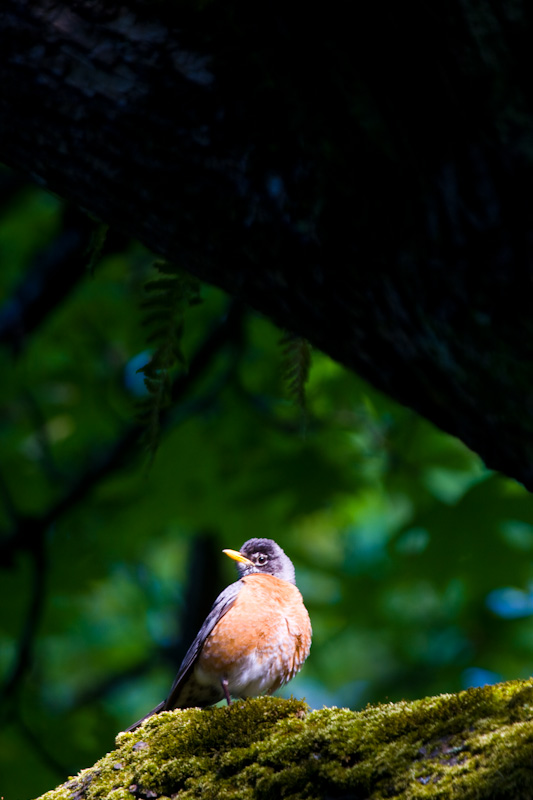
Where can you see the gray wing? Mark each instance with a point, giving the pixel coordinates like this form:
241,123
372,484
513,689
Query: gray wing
221,606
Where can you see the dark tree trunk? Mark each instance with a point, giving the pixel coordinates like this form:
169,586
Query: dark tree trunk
365,182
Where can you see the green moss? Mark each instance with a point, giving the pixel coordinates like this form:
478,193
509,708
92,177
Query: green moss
476,744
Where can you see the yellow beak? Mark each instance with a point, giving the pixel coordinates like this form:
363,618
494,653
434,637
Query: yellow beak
236,556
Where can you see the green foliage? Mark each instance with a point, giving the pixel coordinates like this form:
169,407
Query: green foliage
406,548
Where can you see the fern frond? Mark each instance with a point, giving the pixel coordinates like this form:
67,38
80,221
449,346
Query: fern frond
164,310
94,250
297,363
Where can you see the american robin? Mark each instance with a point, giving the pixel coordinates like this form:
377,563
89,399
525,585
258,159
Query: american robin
255,638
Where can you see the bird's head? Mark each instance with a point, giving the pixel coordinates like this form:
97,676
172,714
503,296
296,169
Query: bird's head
262,556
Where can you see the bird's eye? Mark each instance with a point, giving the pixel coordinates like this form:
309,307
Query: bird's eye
261,559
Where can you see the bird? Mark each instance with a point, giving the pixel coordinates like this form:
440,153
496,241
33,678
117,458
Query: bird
255,638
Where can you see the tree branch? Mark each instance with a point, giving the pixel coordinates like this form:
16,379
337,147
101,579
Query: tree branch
23,658
363,185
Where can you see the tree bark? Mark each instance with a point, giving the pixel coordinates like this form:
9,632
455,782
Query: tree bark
365,182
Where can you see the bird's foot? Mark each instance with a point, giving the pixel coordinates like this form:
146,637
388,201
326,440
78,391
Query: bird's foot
225,689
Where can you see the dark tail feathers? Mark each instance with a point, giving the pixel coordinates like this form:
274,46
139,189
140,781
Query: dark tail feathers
139,722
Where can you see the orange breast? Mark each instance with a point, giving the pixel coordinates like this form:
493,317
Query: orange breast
268,628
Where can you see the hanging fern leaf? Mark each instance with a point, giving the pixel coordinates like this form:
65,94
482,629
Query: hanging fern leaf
94,250
297,363
168,298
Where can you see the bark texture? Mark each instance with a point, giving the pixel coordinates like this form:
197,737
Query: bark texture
364,182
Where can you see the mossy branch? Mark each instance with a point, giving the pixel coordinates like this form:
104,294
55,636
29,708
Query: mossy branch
475,744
